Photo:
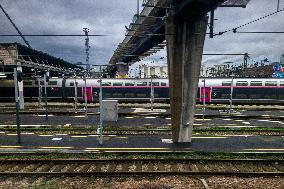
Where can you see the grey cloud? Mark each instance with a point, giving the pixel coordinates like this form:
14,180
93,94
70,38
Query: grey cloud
109,17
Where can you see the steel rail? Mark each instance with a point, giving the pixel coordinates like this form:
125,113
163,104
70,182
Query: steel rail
53,167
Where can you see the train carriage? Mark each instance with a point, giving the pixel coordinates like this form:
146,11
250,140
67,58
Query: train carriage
210,90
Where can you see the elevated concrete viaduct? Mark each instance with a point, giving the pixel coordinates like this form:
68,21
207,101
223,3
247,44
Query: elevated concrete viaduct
183,24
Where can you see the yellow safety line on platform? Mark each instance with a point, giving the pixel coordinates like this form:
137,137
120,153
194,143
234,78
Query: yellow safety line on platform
220,137
202,119
55,147
10,146
197,124
134,149
79,136
265,149
11,134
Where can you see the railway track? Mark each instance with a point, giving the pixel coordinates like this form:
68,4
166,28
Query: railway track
145,167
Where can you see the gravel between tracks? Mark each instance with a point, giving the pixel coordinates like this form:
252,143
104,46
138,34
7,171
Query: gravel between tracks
180,182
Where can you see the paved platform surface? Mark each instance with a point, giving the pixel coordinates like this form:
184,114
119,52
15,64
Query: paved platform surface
90,143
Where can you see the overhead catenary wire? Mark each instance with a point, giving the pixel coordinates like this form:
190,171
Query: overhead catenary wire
253,21
51,35
14,25
258,32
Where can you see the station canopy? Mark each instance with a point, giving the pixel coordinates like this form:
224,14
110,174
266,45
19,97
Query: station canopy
32,61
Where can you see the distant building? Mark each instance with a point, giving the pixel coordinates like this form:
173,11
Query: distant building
154,71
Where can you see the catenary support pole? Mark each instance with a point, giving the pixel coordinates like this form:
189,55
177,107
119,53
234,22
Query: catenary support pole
231,96
204,91
76,93
46,75
101,127
85,94
184,51
152,94
17,107
39,93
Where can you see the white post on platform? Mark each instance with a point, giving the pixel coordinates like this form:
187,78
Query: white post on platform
21,91
17,106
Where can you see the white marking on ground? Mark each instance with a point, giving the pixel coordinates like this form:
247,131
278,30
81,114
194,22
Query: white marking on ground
167,141
150,117
79,116
246,122
264,120
43,115
56,139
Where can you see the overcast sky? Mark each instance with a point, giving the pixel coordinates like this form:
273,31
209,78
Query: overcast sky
109,17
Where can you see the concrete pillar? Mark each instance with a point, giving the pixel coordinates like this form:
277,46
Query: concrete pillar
21,91
122,70
185,40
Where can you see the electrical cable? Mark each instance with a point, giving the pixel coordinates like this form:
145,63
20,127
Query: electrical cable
253,21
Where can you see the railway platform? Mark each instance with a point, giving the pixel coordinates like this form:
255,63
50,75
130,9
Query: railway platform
124,143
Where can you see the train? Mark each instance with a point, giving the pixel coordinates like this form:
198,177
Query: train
210,90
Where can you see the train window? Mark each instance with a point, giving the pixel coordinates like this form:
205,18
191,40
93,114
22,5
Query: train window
71,84
163,84
141,95
256,83
27,82
129,84
156,84
52,83
129,95
117,95
141,83
117,84
226,83
106,83
270,83
242,83
281,83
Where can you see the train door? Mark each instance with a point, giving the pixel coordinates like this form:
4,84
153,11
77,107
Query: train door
89,92
207,95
